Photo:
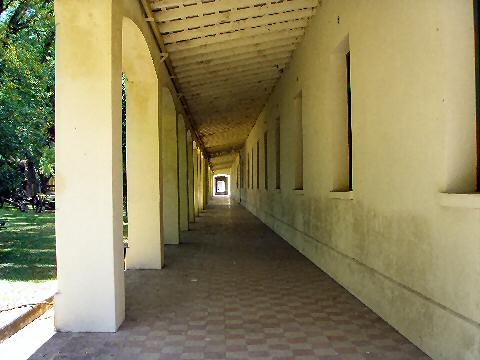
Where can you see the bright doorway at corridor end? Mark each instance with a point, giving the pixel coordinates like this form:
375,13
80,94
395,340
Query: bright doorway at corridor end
221,185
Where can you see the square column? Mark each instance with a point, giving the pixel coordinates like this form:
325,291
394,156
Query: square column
169,147
182,174
91,294
196,176
190,171
206,171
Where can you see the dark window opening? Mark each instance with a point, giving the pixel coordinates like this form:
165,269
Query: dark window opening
248,171
253,166
242,172
299,143
277,155
265,162
349,100
476,16
258,165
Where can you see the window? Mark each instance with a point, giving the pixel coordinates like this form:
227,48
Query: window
253,165
277,154
242,172
476,12
349,117
299,143
342,139
248,170
258,165
265,162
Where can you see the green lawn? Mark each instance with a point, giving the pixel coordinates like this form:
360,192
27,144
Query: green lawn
27,246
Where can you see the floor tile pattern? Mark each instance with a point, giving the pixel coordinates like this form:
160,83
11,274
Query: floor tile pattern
235,290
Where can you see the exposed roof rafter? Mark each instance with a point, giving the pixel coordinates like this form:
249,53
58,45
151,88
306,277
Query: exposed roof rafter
226,56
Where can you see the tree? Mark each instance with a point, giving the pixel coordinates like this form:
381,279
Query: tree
27,82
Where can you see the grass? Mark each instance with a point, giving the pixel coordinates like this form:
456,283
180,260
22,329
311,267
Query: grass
27,246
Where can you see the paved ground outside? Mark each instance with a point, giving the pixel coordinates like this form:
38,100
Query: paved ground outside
18,297
26,342
235,290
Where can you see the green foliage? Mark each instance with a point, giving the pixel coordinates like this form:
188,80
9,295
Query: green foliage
46,165
27,82
9,178
124,137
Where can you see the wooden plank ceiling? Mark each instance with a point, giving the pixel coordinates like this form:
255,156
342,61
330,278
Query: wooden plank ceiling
227,56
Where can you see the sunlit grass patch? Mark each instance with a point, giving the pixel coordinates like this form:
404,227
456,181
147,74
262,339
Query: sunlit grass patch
27,246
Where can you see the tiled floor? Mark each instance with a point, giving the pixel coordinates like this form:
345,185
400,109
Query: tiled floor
235,290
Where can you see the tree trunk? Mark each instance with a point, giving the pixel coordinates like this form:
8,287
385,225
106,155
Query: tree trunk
44,183
31,178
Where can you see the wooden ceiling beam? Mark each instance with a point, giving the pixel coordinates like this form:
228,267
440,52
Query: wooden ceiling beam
276,64
220,29
229,117
229,105
248,49
225,57
261,86
252,84
228,77
248,55
238,39
248,90
222,12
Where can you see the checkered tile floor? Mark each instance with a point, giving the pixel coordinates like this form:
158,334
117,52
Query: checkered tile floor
235,290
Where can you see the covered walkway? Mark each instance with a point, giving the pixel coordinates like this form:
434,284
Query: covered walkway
234,289
348,127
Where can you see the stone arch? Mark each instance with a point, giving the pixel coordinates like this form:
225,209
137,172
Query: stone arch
143,151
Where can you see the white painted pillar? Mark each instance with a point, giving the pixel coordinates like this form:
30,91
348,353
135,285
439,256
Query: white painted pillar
200,182
170,169
143,153
210,183
196,166
205,183
91,295
191,205
182,174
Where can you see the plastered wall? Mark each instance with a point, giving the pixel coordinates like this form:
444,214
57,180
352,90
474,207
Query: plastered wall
397,242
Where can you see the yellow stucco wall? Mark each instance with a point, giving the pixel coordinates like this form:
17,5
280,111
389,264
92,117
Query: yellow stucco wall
399,245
